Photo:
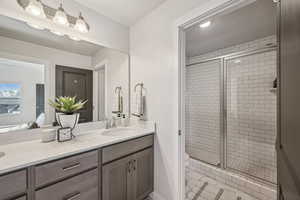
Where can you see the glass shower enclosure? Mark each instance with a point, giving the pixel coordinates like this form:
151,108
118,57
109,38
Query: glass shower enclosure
231,112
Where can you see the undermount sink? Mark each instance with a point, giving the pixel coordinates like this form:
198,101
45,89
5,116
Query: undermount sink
2,154
117,131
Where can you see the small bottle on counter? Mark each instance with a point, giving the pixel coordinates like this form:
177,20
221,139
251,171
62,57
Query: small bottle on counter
125,120
48,135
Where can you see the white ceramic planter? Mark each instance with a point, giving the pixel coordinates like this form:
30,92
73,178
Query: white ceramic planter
66,121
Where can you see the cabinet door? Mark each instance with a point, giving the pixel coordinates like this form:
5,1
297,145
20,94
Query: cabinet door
115,178
143,167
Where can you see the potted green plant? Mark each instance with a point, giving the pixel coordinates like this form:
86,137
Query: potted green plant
67,108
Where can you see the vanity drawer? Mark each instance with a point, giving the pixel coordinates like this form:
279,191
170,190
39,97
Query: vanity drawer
53,171
116,151
13,184
83,187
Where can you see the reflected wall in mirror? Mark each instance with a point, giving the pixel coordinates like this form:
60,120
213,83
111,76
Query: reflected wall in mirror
38,65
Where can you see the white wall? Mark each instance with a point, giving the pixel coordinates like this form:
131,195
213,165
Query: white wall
117,74
27,76
103,31
28,52
51,55
154,61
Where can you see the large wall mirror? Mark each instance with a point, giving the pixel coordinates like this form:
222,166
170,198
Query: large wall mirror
38,65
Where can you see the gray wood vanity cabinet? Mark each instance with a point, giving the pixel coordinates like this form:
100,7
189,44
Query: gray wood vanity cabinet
129,178
122,171
13,184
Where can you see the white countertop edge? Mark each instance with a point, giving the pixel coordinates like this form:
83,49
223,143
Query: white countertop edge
70,153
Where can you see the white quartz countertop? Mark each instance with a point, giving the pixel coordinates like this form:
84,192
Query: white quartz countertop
25,154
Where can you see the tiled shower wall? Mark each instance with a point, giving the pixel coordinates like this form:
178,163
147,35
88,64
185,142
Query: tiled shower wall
251,114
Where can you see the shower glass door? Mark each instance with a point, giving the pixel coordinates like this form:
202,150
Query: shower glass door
203,111
251,115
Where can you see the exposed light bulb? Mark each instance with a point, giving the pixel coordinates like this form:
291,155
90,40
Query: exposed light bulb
61,17
205,24
57,33
74,38
35,26
81,25
35,8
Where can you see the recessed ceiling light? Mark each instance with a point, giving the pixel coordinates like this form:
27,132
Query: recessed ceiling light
57,33
74,38
205,24
237,61
275,1
35,26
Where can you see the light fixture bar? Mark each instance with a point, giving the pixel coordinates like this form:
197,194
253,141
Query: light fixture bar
50,13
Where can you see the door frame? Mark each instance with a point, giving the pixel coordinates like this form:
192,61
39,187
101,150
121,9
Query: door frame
100,66
180,26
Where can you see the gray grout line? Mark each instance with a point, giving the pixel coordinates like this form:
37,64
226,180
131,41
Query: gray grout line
218,196
200,191
239,198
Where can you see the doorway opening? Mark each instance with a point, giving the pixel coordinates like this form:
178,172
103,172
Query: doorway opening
229,103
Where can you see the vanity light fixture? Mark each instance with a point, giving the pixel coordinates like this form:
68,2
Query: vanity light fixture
205,24
35,8
58,16
81,25
61,17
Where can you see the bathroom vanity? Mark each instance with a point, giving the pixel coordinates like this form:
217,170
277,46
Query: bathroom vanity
94,166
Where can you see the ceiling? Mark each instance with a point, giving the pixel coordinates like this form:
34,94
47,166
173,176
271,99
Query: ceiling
256,20
126,12
18,30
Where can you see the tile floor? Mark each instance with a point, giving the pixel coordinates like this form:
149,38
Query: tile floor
200,187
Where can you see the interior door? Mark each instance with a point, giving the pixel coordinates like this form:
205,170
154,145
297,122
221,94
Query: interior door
76,82
289,113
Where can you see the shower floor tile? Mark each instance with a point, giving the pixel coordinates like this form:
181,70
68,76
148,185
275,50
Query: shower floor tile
204,188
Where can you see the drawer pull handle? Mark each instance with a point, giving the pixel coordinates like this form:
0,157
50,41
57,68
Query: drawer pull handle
75,196
71,167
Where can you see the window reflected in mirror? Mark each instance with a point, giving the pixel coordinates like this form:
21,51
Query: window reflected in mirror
22,95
